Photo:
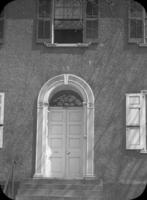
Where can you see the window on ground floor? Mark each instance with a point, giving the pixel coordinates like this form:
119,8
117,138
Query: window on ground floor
67,21
136,119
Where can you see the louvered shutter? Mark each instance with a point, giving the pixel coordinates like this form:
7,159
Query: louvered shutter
1,27
1,118
135,22
135,121
44,20
91,13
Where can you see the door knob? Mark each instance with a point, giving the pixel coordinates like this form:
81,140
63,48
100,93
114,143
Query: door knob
68,153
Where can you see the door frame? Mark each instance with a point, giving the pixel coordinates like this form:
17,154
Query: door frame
42,122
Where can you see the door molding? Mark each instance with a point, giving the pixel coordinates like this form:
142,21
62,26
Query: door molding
42,122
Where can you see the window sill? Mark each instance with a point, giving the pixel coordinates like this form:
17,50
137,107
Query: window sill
47,44
142,44
144,151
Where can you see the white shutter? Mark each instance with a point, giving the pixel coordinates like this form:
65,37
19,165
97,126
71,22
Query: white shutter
1,118
135,121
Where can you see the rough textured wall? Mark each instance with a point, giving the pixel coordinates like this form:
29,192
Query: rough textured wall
112,68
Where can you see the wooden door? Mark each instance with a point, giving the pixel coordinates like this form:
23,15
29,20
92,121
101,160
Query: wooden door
65,140
56,142
74,141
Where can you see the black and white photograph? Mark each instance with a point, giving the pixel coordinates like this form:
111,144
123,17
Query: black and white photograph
73,100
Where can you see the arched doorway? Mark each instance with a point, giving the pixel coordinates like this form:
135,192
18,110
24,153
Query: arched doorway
65,129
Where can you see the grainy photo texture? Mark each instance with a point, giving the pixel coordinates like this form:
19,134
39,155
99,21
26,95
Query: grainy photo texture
73,100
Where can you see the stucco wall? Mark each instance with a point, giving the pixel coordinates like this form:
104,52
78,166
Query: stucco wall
112,68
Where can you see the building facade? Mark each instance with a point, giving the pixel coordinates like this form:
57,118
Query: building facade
73,85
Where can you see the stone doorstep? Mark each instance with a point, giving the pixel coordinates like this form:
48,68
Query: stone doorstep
52,198
61,181
58,198
63,186
59,192
60,189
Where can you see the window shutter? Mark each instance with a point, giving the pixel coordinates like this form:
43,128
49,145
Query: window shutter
91,21
44,20
135,22
135,121
1,118
1,26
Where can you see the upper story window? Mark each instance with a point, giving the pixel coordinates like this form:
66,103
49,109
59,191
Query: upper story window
67,21
137,23
1,26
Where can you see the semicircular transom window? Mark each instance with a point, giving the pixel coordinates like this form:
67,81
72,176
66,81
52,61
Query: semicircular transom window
66,98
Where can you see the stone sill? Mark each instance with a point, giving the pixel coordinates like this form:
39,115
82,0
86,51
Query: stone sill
144,151
47,44
142,44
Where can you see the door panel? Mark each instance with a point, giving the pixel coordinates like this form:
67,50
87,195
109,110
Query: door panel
74,142
56,142
65,140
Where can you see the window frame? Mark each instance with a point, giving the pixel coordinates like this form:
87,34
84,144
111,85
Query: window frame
143,40
50,42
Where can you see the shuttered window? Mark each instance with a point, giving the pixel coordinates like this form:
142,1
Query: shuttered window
91,20
44,20
137,23
136,121
67,21
1,26
1,118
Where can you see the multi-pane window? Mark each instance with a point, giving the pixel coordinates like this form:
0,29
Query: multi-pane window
1,26
137,23
67,21
1,118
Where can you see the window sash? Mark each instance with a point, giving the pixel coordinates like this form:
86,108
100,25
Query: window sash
87,23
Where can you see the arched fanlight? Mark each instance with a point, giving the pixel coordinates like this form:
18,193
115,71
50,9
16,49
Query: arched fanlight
66,98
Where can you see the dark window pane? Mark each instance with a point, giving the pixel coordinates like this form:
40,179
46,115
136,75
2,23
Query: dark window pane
92,8
136,9
44,31
44,8
92,29
1,28
136,28
68,36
